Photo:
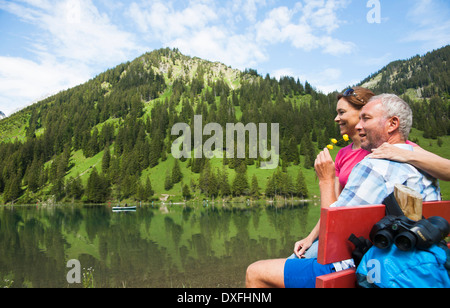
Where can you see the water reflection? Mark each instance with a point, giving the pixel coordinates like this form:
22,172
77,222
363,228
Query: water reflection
172,246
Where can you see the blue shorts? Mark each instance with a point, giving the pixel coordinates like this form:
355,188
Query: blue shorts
302,273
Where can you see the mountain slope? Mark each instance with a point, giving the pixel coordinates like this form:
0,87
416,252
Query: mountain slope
420,77
110,139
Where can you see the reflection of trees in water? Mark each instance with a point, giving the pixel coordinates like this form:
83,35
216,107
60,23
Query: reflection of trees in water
193,247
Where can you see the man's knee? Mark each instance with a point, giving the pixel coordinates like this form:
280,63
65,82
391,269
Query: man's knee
252,275
265,274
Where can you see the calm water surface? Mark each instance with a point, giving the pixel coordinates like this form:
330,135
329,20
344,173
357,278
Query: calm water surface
166,246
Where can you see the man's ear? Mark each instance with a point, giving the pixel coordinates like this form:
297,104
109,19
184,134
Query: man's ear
394,124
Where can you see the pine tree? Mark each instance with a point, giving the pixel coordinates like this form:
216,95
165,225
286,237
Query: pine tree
145,192
186,192
177,176
240,183
106,160
307,149
254,191
224,185
74,188
168,184
301,190
149,188
32,176
98,188
270,187
13,189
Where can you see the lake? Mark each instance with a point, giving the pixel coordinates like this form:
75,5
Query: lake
169,246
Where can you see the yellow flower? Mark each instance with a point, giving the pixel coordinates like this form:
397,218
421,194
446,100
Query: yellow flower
330,146
345,137
334,141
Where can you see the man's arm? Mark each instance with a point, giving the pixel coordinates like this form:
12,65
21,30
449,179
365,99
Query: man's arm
365,186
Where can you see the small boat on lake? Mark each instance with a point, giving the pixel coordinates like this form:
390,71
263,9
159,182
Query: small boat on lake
124,209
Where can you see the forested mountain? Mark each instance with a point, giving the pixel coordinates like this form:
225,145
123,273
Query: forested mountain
2,115
427,75
110,138
425,81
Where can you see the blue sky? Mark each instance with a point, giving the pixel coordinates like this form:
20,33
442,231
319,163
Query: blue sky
47,46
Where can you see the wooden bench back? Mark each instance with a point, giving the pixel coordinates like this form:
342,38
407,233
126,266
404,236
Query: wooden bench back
337,224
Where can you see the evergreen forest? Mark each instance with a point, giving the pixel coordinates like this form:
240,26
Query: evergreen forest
109,139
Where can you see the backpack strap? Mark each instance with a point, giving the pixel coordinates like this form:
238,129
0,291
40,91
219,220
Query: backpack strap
392,206
362,245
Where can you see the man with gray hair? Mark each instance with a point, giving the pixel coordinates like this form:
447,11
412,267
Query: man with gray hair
394,109
384,119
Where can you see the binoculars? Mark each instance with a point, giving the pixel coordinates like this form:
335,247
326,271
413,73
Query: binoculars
408,234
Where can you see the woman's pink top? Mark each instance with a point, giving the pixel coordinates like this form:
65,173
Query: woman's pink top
347,158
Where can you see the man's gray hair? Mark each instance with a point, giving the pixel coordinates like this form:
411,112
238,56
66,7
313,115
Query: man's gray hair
395,106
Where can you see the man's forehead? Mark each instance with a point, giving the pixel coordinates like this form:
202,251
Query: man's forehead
372,107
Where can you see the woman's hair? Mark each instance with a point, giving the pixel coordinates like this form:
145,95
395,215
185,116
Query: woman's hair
358,98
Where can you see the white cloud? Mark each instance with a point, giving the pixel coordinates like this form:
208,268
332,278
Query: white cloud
282,72
77,39
72,42
432,18
162,20
325,80
198,30
303,26
216,44
23,81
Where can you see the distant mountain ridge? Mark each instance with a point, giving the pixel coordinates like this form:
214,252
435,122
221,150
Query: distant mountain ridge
2,115
419,77
110,139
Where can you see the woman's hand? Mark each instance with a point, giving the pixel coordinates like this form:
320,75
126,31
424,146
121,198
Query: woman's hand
324,166
301,246
391,152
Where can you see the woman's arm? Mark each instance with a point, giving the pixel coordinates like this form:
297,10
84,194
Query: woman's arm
337,187
326,173
432,164
329,190
301,246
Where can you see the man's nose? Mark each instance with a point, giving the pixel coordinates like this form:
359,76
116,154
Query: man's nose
359,126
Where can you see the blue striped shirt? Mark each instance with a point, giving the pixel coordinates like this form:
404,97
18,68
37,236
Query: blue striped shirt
372,180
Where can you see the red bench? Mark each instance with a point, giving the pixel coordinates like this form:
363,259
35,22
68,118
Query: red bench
336,226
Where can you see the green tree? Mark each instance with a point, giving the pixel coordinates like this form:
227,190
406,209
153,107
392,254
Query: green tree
301,190
168,184
186,192
106,160
13,189
224,185
98,188
270,187
240,183
307,149
74,188
177,176
145,192
255,190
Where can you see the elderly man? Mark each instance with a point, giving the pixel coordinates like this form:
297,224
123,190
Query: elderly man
386,118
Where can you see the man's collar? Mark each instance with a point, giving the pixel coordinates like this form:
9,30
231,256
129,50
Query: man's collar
404,146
